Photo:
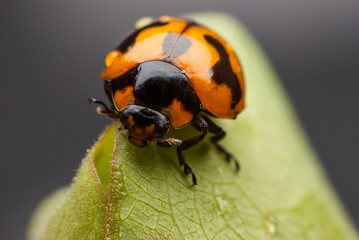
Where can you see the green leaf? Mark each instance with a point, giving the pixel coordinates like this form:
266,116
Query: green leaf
280,193
78,212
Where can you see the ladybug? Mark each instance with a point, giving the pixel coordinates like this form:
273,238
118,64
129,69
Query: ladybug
170,72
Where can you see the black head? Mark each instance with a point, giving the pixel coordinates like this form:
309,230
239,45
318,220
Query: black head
143,124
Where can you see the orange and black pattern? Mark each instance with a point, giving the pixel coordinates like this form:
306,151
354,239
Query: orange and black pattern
208,62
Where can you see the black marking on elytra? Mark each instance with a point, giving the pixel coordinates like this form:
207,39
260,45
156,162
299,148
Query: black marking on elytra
222,72
168,43
175,45
131,39
182,46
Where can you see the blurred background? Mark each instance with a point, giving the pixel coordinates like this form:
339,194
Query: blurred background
52,55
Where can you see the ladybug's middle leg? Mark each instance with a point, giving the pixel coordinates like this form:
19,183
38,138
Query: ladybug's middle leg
220,134
104,110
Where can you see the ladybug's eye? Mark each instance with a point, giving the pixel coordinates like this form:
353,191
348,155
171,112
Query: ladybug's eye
110,57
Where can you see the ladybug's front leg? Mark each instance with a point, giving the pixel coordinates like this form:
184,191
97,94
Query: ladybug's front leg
169,142
104,110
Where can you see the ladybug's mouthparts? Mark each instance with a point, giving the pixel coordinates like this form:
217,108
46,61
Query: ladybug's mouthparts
138,141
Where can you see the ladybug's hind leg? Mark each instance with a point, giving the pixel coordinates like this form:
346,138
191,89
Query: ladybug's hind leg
200,124
104,110
219,134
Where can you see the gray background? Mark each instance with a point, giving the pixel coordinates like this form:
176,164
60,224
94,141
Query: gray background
52,54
